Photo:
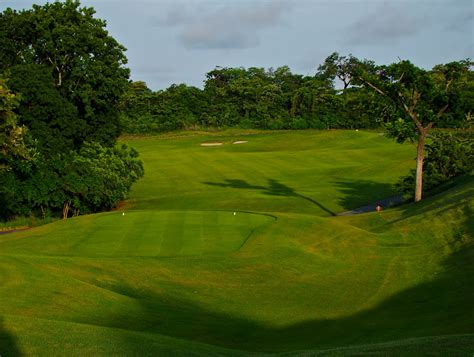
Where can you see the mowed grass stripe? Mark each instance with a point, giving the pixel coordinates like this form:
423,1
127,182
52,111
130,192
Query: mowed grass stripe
173,234
136,238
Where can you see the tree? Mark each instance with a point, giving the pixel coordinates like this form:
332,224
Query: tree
338,66
87,65
97,178
423,96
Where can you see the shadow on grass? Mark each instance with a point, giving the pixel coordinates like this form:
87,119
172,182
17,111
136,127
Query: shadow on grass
274,188
440,306
445,201
360,193
469,222
8,346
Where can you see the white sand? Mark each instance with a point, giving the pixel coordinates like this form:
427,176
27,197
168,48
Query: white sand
211,144
240,142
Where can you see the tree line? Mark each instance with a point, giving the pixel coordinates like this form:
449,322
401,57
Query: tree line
333,98
251,98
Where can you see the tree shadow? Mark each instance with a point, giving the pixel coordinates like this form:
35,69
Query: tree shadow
366,195
443,202
469,221
427,309
274,188
8,346
441,305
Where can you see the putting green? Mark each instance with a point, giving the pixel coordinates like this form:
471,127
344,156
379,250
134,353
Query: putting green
140,233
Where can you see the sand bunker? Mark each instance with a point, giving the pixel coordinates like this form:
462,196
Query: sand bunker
240,142
211,144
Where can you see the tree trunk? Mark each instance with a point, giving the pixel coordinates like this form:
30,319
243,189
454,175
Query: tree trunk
66,209
420,155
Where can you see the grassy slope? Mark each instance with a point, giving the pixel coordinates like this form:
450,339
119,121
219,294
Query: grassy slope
301,172
296,280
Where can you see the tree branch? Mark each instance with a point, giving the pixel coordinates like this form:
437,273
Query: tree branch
401,77
448,83
416,97
442,110
411,112
378,90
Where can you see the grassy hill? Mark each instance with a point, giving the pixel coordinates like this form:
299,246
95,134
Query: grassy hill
175,271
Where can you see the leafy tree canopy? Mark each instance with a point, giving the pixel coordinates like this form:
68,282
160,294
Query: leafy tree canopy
69,75
12,145
87,65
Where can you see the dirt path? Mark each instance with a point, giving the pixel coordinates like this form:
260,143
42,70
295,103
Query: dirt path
385,203
14,230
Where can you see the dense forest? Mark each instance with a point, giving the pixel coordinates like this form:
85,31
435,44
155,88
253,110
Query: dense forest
66,96
333,98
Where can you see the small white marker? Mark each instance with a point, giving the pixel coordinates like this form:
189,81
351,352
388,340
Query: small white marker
123,213
235,213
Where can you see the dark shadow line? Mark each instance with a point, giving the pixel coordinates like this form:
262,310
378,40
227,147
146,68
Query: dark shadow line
327,210
274,188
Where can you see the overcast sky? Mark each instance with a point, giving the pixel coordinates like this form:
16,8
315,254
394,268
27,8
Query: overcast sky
179,41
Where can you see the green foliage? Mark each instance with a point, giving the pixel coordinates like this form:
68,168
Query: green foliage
12,145
401,130
439,98
337,66
423,97
178,107
52,120
448,155
70,76
99,177
93,179
251,98
86,64
361,107
278,99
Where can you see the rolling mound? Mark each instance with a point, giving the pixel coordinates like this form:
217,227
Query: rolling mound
177,275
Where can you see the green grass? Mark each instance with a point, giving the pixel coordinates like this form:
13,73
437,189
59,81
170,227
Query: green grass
180,274
140,233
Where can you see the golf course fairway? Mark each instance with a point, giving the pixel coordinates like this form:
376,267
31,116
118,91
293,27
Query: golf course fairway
238,250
